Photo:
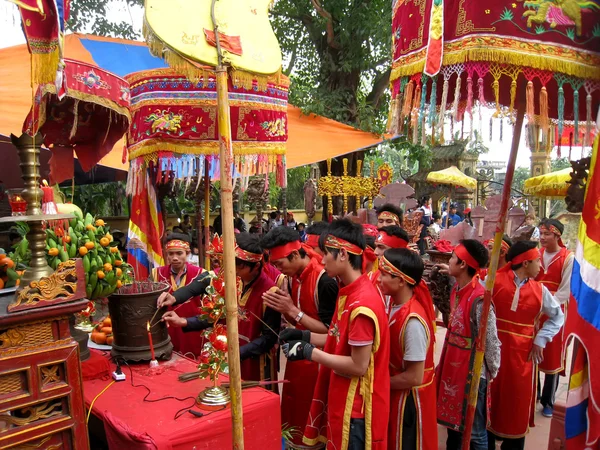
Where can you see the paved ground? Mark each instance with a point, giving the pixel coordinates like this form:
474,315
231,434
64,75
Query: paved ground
537,439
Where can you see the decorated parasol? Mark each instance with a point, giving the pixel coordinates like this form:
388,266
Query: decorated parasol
87,115
553,184
453,177
452,58
236,39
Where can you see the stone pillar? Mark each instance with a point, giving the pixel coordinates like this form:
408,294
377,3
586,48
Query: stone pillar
540,164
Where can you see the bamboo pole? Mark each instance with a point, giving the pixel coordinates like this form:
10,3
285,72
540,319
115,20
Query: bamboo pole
489,282
226,161
206,213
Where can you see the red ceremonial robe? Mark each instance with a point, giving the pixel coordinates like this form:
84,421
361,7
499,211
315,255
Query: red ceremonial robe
453,376
334,394
513,392
302,375
250,309
278,278
424,394
193,341
551,276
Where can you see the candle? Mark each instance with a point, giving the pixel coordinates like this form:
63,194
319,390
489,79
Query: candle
150,340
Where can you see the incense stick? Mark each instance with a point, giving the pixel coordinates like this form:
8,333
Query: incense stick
263,322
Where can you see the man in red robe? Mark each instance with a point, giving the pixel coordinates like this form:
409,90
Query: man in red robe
413,424
519,302
455,370
555,274
177,274
258,325
308,303
350,403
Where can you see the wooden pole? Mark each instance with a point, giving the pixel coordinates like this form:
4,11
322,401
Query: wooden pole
231,304
491,276
206,213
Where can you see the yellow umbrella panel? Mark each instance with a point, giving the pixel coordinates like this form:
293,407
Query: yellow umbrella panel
453,176
553,184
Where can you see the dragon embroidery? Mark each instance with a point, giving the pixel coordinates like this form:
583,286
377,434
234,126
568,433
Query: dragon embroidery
558,12
164,121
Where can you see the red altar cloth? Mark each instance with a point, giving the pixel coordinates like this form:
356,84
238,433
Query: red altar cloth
131,423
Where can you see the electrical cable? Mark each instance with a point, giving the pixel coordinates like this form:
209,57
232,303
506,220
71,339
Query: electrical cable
96,398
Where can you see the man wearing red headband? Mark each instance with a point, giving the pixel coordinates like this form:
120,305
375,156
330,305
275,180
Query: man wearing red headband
308,303
350,404
455,370
389,214
506,244
519,302
177,274
413,424
257,324
555,274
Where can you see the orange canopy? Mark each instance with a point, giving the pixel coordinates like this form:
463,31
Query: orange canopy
311,138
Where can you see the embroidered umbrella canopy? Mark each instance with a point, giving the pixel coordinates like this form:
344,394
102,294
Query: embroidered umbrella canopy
450,56
174,126
553,184
88,114
453,176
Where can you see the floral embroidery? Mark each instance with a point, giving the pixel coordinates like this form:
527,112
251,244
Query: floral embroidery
92,80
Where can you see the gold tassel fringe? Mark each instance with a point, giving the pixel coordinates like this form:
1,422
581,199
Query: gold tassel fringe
544,110
590,70
530,102
44,66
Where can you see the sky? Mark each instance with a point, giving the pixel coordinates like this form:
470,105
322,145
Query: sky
11,34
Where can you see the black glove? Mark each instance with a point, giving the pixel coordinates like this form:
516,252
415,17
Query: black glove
294,334
298,350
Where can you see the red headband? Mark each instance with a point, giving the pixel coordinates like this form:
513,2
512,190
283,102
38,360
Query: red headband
177,244
312,240
370,230
461,251
391,241
339,243
552,229
282,251
370,254
529,255
244,255
389,215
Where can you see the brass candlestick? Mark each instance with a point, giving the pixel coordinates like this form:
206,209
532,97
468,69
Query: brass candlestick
214,396
28,149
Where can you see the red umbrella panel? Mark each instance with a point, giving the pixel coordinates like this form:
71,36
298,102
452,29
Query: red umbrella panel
450,56
88,115
174,126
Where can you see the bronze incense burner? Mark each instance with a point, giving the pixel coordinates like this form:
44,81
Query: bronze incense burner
131,308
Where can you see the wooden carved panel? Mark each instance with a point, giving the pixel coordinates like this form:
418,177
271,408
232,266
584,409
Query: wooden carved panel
53,442
14,384
52,376
27,415
30,335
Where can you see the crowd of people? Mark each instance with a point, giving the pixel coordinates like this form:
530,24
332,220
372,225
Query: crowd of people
349,307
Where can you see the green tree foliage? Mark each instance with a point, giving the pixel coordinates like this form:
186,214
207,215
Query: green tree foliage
91,16
338,55
559,164
521,174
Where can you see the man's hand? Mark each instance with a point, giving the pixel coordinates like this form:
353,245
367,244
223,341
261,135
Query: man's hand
165,299
173,319
293,334
536,354
298,350
279,301
443,268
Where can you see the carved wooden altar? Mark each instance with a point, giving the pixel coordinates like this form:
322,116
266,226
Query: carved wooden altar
41,394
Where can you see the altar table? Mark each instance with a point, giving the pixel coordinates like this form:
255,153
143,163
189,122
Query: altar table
133,424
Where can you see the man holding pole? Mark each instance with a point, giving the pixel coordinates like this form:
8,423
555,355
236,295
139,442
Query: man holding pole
519,301
455,370
555,274
309,304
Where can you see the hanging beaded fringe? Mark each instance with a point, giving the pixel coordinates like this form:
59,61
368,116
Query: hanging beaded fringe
415,114
588,122
432,101
561,110
544,109
530,105
576,114
408,98
443,108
